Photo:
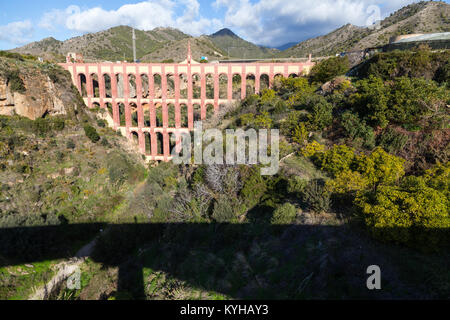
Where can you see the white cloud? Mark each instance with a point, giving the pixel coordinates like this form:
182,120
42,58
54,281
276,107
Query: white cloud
17,33
267,22
145,15
274,22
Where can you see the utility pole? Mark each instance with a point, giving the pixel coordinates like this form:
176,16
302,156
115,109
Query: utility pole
134,46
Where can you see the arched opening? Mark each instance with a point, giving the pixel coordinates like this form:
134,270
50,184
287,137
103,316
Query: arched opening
160,140
237,86
183,86
83,82
223,86
170,86
250,85
148,143
157,86
146,110
135,137
293,75
184,115
277,80
145,86
134,115
109,107
209,86
209,110
172,142
197,112
122,114
119,81
95,85
107,80
196,86
132,86
264,82
171,113
159,115
96,105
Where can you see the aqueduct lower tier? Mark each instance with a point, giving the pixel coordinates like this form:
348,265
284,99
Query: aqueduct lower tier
150,102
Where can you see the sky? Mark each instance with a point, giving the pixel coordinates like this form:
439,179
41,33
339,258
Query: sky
265,22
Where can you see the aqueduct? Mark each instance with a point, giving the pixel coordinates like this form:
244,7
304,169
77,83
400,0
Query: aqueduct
151,102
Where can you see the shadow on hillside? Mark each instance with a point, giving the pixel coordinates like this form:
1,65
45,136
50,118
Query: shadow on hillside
258,261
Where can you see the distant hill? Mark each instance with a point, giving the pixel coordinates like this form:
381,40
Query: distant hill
421,17
112,44
177,50
236,47
286,46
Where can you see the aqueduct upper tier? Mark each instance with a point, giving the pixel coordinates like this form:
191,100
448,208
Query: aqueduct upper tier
150,102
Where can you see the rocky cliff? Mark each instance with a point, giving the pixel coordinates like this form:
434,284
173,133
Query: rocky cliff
34,90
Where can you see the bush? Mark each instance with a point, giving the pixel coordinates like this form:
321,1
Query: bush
392,141
14,81
284,214
91,133
317,197
321,115
223,211
70,144
329,69
337,159
358,131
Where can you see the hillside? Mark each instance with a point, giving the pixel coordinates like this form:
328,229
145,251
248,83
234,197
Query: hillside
176,50
112,44
421,17
237,47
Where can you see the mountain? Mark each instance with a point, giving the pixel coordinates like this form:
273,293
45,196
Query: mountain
236,47
421,17
286,46
112,44
177,50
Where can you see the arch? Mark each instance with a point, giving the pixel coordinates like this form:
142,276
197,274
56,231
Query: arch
157,85
171,114
132,86
122,114
160,142
95,85
184,119
223,86
172,142
159,115
250,81
83,82
146,111
134,115
107,81
293,75
183,86
145,86
170,94
96,105
196,86
109,107
209,110
209,86
134,137
237,86
264,81
148,143
197,112
120,85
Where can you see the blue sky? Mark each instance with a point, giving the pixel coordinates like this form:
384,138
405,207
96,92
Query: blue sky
266,22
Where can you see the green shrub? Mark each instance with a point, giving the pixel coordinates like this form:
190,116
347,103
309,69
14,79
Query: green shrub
392,141
296,185
14,81
70,144
337,159
329,69
317,197
91,133
101,123
321,115
358,131
223,211
284,214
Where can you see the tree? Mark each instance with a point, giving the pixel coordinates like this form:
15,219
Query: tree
329,69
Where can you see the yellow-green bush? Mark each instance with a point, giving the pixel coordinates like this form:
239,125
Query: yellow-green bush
337,159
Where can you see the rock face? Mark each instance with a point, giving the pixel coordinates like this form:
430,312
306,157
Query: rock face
41,96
